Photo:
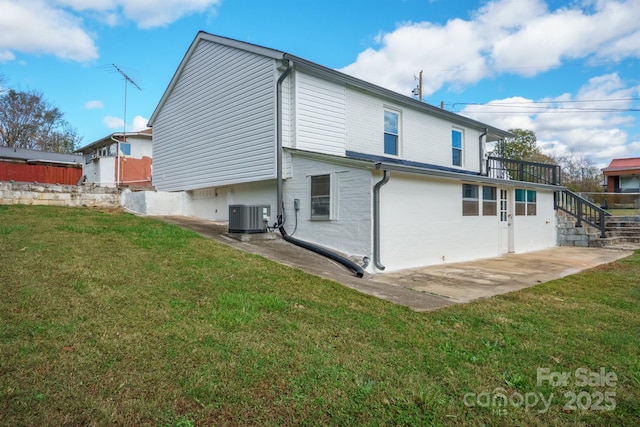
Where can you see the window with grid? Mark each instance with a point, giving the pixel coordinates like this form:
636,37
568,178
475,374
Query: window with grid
321,197
470,200
489,201
456,147
391,132
526,202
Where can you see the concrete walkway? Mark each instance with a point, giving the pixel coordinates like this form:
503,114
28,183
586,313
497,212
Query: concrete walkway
425,288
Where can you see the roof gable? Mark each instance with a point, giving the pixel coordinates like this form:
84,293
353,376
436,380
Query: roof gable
204,36
493,134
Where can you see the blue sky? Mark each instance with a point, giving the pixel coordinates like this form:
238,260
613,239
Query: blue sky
568,70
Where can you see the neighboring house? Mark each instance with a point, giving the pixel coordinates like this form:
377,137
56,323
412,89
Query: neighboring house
623,176
345,164
23,165
118,160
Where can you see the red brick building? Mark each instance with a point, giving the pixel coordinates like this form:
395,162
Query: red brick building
623,175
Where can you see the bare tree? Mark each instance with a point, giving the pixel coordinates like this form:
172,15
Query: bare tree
28,121
579,173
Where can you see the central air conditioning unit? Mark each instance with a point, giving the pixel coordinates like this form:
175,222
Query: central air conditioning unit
248,218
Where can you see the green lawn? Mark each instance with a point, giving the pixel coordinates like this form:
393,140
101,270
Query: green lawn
111,319
623,212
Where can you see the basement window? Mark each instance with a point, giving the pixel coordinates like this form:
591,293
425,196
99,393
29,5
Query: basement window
489,201
526,202
321,197
470,200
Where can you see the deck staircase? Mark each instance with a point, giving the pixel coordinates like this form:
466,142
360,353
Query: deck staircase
620,232
623,231
581,223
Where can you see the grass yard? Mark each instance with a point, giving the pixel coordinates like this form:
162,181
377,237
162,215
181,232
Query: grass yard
111,319
623,212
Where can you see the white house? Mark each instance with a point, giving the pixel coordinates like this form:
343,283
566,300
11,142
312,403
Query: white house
345,164
119,159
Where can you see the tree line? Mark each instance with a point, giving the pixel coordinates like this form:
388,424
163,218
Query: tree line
27,120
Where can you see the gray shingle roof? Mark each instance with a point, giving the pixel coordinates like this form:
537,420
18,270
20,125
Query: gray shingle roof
34,156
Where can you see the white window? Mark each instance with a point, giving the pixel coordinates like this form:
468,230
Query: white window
489,201
321,197
125,149
391,132
470,200
456,147
526,202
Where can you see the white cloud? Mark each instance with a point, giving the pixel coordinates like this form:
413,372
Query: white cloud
504,36
93,105
117,124
35,26
593,122
6,55
139,123
146,13
525,38
58,27
113,123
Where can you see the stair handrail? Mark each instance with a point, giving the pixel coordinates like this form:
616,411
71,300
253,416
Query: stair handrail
581,209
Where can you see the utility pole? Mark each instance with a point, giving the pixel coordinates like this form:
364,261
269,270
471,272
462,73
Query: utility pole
418,90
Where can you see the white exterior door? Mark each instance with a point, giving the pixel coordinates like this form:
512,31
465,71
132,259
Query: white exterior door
506,223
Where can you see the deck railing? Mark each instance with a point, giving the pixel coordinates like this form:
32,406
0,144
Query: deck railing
582,209
542,173
519,170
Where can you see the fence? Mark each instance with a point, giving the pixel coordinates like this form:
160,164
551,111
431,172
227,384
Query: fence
618,204
39,173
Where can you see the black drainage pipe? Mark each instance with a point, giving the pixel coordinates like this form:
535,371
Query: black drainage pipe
357,270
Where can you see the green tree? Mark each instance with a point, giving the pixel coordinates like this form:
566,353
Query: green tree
28,121
523,146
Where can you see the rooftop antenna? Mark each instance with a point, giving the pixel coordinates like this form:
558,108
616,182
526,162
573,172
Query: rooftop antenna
127,80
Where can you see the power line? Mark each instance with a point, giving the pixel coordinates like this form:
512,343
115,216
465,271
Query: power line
533,67
581,101
537,107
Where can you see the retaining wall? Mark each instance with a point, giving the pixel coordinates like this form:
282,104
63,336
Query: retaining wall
58,195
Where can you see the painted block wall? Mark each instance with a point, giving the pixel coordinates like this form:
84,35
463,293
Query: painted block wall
104,171
350,231
537,232
423,138
140,147
213,202
422,224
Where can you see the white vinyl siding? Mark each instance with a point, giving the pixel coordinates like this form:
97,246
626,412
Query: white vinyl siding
217,127
320,113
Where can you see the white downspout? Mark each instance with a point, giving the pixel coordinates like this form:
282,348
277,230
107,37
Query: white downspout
481,144
117,177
